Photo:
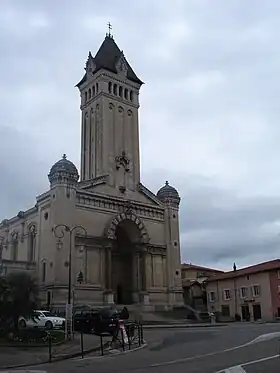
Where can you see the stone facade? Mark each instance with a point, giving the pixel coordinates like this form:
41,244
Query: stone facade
121,240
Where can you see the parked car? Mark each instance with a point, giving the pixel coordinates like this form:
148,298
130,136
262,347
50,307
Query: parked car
42,319
97,321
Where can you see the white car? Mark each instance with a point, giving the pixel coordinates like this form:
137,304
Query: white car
42,319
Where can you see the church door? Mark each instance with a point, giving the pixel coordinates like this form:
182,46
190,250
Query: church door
124,271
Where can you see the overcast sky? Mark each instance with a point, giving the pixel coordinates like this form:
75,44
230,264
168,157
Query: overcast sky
209,117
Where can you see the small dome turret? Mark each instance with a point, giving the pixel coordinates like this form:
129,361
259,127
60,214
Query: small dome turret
168,194
63,170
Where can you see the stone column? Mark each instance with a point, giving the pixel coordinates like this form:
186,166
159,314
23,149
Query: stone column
135,274
145,299
109,296
143,271
108,267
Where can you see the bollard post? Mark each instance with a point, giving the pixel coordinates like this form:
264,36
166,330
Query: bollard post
101,345
123,345
142,336
82,343
50,346
139,334
129,336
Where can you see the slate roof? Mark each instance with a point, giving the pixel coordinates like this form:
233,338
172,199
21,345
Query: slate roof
63,165
107,57
262,267
167,191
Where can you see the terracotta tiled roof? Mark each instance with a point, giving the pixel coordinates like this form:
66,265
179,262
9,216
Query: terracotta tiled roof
199,268
262,267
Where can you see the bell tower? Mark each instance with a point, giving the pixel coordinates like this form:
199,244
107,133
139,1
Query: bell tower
109,104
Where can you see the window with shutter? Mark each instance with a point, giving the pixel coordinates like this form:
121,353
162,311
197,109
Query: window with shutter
243,292
256,290
226,294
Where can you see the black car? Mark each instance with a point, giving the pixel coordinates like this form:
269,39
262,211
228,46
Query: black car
97,321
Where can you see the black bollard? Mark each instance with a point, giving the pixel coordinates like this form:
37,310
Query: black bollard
142,336
50,346
123,345
139,334
82,343
101,345
129,336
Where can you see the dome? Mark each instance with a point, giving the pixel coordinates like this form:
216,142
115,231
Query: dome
65,168
167,192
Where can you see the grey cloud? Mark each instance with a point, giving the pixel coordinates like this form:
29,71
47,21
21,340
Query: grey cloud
211,70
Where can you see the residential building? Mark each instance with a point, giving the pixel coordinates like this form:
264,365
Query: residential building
253,292
193,282
123,239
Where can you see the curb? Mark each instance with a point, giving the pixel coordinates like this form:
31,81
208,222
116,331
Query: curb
181,326
54,359
117,354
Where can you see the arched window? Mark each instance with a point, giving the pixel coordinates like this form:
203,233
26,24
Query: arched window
89,94
44,271
31,244
120,91
97,88
85,96
93,90
126,93
115,89
131,96
110,87
14,252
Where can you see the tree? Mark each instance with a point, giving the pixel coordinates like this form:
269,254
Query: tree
19,297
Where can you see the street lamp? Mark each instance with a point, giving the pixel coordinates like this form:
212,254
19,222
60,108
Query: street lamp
1,246
1,250
235,291
59,231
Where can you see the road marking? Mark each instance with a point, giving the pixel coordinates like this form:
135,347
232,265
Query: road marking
237,369
266,337
182,360
261,360
23,371
231,369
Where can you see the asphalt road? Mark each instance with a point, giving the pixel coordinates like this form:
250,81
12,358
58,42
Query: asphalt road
232,348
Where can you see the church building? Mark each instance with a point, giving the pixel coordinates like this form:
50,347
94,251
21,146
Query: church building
102,237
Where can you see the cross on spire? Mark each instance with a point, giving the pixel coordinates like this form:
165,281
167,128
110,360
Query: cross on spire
109,28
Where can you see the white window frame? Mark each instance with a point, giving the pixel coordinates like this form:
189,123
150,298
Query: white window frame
212,299
253,291
244,295
225,292
278,274
278,289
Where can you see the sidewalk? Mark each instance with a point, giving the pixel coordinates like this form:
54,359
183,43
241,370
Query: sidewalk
182,326
13,357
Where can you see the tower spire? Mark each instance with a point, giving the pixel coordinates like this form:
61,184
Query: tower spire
109,30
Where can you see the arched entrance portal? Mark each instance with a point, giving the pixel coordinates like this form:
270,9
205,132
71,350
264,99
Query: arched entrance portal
125,262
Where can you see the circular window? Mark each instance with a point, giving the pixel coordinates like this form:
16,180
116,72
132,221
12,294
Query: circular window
175,243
